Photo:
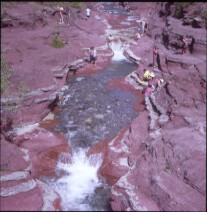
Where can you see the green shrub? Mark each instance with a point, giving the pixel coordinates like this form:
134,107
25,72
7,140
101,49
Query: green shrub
179,7
23,88
204,15
167,167
202,12
57,42
78,5
183,4
6,72
4,167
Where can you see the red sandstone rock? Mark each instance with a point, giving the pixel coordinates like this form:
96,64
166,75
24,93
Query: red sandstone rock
30,200
165,173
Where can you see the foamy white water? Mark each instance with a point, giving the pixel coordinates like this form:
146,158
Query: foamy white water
118,50
79,181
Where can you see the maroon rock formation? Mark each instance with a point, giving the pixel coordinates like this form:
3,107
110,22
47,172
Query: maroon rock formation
158,163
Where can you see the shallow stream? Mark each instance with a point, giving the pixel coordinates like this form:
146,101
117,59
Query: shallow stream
92,110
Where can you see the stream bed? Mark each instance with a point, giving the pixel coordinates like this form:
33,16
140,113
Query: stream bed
92,110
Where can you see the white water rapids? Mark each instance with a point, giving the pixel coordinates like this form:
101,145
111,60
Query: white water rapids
118,49
80,180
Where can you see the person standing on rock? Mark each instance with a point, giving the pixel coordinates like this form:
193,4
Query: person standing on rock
88,12
191,44
145,27
160,82
148,92
152,81
139,28
155,57
110,38
68,14
185,45
165,36
142,27
61,15
93,55
138,36
156,83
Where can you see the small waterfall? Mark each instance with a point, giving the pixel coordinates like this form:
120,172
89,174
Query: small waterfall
118,49
77,185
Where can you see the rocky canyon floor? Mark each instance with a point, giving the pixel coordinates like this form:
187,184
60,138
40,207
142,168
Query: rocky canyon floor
157,161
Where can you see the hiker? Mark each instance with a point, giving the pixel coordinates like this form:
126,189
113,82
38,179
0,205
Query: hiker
138,36
68,14
160,82
58,100
165,38
191,44
127,8
110,38
148,92
184,46
93,55
152,81
155,83
147,75
145,27
139,28
155,57
61,10
88,12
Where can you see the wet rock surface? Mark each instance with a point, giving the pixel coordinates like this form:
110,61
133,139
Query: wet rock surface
158,163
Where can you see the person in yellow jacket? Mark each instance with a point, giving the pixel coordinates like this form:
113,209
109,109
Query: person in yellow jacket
148,75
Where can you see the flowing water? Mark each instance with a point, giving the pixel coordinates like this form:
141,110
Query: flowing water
80,183
91,111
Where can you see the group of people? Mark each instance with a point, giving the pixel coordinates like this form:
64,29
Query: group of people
67,13
142,28
125,5
150,81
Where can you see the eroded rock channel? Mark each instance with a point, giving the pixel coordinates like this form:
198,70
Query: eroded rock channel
101,149
92,110
94,107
